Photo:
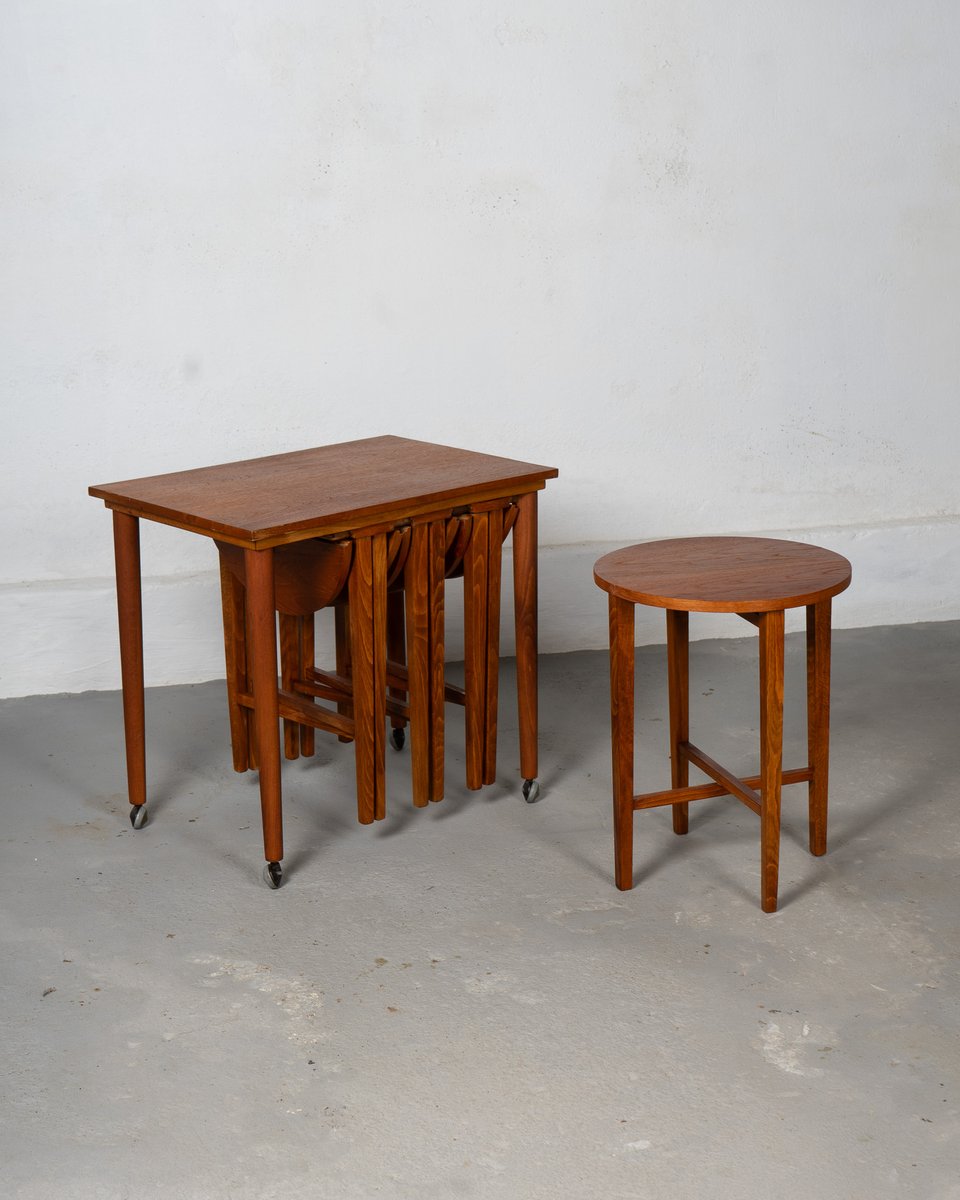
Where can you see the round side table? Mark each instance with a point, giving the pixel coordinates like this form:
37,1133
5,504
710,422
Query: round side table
757,579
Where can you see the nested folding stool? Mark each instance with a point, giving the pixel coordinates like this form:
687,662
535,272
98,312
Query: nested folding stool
758,579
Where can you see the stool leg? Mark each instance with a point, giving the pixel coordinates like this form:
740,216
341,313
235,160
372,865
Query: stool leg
289,670
307,659
494,544
368,652
678,673
818,719
417,583
621,722
771,754
475,596
341,620
232,597
396,653
436,552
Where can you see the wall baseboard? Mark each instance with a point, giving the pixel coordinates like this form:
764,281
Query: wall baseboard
61,636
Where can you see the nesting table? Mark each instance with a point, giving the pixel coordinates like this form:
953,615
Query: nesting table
362,489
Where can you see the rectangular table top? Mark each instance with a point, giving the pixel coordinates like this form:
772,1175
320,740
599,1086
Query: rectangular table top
329,489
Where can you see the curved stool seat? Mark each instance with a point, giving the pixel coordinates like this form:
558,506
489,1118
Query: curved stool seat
754,578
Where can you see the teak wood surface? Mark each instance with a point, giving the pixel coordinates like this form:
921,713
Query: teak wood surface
757,579
323,491
361,488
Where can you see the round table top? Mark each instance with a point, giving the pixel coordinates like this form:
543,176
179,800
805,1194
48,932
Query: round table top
723,574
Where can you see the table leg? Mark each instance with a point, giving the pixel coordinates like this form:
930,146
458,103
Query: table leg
261,615
126,544
818,719
437,558
525,611
678,672
368,645
771,754
622,622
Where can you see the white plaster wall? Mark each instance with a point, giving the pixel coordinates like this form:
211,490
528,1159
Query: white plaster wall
702,257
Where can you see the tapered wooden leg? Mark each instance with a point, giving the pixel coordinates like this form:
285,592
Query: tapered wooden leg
368,637
818,719
492,673
126,545
525,613
771,754
341,620
622,735
258,568
678,672
308,741
289,670
396,648
416,585
475,595
436,556
232,598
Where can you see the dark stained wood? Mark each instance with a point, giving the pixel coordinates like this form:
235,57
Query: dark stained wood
678,682
622,625
818,719
126,545
329,489
525,617
263,676
771,754
723,574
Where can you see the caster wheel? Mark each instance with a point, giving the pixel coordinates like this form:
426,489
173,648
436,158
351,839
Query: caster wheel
398,738
273,875
138,815
531,790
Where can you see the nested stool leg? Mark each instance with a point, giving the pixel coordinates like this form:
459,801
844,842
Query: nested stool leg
818,719
368,652
308,660
232,597
290,669
771,754
678,674
341,619
423,594
475,597
622,620
396,653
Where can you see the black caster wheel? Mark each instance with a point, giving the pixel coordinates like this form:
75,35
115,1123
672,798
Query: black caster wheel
273,875
138,815
398,738
531,790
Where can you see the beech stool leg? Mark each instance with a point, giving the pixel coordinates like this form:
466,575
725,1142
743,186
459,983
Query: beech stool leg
678,674
126,545
818,719
525,616
622,620
771,754
261,614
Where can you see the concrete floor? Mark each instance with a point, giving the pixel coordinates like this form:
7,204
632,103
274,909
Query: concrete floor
457,1002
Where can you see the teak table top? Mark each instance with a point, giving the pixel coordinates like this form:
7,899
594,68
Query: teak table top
330,489
723,574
